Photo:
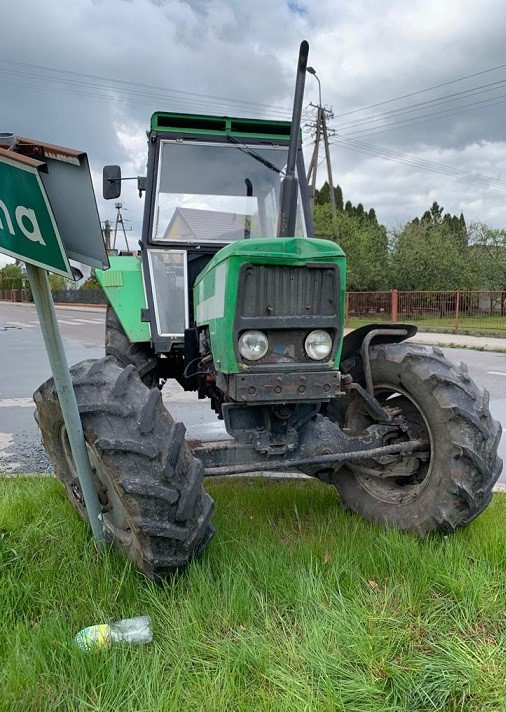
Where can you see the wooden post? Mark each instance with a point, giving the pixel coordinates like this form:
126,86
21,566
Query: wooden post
394,305
457,309
346,308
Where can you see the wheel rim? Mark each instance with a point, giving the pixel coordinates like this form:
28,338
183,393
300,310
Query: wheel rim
415,469
113,511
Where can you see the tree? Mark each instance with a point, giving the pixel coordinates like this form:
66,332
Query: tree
91,282
431,253
487,254
433,216
57,282
426,255
11,277
361,237
365,244
322,196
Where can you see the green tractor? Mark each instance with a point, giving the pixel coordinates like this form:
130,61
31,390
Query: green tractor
233,297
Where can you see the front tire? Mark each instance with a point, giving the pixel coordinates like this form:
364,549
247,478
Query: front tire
148,481
141,355
437,401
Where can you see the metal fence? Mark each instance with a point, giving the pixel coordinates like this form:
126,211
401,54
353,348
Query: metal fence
60,296
483,311
79,296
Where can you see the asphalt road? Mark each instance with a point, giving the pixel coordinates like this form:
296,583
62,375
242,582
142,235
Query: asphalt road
25,367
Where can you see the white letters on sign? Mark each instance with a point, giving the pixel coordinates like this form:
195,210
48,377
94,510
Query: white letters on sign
7,218
24,215
26,220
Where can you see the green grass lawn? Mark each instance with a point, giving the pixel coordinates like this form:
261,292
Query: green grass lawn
490,325
296,605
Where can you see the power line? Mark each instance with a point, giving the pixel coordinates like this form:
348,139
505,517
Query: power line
395,125
414,161
65,76
421,91
127,91
150,101
373,118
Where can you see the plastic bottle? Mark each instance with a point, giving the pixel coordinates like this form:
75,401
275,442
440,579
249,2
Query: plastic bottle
130,630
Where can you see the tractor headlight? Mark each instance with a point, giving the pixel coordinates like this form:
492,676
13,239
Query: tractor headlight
318,344
253,345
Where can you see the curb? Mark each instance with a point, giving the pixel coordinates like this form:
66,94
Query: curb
61,305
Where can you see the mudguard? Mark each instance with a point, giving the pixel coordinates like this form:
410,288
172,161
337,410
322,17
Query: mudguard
352,342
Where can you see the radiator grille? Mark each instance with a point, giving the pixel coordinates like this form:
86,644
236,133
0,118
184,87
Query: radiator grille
277,291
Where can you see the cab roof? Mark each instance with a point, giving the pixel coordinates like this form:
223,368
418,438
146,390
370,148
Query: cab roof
200,124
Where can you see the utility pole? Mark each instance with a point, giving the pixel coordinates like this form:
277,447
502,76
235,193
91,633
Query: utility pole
120,221
321,130
107,233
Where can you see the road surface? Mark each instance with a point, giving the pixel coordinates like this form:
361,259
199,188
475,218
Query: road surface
25,367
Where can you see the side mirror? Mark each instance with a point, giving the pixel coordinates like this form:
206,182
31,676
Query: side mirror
111,182
142,183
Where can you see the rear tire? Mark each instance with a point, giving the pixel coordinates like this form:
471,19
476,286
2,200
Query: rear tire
141,355
439,402
148,481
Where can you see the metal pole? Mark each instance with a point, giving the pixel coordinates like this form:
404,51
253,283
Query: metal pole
61,374
315,155
289,186
329,167
106,231
310,166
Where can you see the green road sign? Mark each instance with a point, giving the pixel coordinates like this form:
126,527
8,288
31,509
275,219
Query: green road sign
28,229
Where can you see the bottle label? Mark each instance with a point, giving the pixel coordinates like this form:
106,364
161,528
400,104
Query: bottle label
93,637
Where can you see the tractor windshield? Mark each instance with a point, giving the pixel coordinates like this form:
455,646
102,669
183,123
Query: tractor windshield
219,192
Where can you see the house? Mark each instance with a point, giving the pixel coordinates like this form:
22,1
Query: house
195,225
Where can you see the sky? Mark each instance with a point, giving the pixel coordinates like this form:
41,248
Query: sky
417,88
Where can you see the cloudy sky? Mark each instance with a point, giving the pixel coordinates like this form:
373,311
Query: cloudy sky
417,88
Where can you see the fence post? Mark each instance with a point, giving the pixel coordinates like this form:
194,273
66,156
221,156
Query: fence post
457,309
346,308
394,305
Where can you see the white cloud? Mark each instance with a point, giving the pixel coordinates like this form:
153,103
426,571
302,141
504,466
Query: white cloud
365,52
400,192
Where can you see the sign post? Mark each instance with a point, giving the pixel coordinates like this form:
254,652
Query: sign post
57,359
29,231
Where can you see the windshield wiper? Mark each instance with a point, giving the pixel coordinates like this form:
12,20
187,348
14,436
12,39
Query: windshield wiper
250,152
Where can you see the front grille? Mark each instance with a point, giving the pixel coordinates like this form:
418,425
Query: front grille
280,292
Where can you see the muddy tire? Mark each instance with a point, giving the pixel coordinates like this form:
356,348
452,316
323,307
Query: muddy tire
148,481
452,483
141,355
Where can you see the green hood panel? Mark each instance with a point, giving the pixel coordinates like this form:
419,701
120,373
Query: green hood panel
296,251
216,287
124,289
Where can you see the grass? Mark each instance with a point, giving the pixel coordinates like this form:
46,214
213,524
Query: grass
296,606
482,325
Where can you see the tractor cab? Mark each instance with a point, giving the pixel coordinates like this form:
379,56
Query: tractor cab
211,181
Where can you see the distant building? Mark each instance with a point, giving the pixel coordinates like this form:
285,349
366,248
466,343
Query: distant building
194,225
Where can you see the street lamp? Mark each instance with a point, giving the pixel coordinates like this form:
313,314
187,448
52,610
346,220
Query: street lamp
321,125
312,71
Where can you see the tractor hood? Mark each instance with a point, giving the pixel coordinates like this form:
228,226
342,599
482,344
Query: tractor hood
294,250
296,283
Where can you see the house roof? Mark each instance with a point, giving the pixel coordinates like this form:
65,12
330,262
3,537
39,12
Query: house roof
210,224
